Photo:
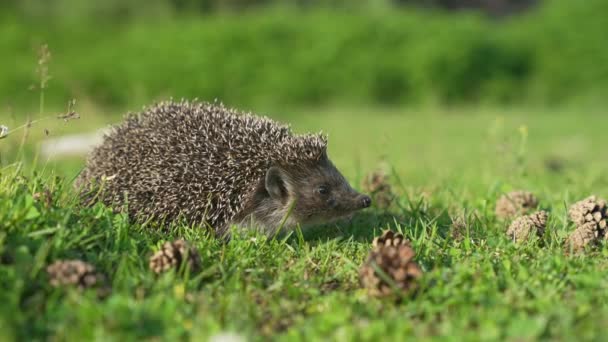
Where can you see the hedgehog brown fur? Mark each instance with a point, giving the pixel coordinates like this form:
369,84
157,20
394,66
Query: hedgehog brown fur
216,166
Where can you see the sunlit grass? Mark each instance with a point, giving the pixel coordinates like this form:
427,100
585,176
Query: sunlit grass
306,286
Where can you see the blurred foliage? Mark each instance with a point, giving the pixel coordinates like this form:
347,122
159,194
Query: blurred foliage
554,54
134,7
492,7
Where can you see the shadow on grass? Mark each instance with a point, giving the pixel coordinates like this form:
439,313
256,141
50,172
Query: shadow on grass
363,227
412,220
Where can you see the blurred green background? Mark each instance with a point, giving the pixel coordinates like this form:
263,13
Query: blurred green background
268,54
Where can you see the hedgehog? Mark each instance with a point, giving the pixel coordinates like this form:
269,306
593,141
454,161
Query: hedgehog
215,166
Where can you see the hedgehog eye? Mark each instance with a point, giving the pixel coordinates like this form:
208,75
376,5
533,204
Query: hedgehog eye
323,190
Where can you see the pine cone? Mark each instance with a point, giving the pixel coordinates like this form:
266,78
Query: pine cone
458,228
74,273
390,238
172,255
583,236
396,262
45,196
378,187
522,228
590,210
515,203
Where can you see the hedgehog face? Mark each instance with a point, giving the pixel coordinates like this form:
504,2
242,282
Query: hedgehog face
319,192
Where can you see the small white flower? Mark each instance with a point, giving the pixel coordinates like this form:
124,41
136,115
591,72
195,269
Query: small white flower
3,131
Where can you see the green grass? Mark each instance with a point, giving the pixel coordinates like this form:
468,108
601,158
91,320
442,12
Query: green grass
305,286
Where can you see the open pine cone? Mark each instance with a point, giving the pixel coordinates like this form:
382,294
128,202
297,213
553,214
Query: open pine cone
523,227
458,228
378,187
173,255
591,210
45,196
515,203
582,237
74,273
394,256
390,238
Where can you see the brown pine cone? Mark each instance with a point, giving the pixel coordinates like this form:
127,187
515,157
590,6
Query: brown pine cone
45,196
515,203
523,227
390,238
583,236
590,210
172,255
378,187
74,273
396,263
458,228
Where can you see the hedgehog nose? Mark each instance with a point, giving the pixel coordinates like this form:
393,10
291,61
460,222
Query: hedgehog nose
366,201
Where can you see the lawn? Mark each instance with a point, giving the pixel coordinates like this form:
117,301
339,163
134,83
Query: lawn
305,285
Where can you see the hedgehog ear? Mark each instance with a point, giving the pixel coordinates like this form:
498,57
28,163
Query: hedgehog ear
324,154
275,183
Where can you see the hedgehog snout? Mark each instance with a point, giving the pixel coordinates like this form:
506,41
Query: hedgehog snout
358,202
365,201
